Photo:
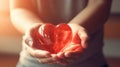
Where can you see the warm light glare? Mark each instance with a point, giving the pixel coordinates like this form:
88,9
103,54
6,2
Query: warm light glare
4,4
6,27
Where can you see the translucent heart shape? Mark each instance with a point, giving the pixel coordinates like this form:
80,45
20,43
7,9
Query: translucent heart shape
56,38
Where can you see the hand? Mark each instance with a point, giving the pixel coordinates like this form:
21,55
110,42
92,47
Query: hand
82,34
73,52
42,56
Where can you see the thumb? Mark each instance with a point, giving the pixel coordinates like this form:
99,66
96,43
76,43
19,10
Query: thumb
84,38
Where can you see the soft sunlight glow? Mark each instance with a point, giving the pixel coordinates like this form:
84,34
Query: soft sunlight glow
4,4
6,27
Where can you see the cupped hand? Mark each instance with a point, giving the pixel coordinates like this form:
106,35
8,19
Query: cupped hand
42,56
78,45
69,55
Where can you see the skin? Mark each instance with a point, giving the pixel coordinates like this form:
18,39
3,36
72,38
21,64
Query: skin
25,18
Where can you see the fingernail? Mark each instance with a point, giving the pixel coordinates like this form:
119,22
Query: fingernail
30,43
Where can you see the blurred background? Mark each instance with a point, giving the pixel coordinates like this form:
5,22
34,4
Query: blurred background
10,38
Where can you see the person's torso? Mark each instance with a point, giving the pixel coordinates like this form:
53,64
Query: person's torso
57,11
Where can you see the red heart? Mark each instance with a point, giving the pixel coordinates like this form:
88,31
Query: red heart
55,38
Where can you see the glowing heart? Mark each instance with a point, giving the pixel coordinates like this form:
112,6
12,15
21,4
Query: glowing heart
55,38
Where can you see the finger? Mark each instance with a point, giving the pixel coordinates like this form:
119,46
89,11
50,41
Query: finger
65,61
28,37
28,40
54,56
73,49
71,60
84,38
60,55
69,54
37,52
62,59
47,60
40,53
